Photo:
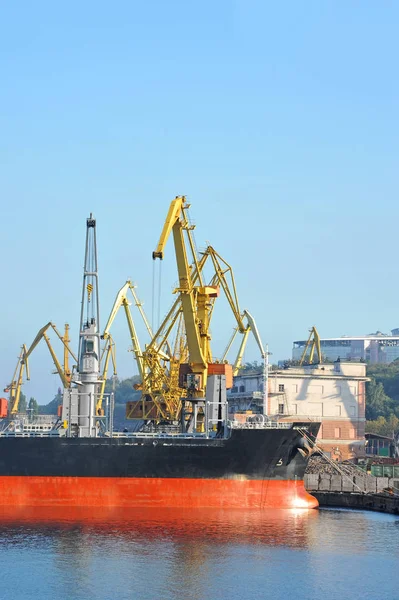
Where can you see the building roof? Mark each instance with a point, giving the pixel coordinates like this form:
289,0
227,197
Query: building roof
350,338
377,435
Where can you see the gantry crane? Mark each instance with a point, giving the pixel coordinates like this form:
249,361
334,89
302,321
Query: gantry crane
314,344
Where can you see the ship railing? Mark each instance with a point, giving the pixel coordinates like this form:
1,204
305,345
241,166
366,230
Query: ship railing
265,425
155,435
27,433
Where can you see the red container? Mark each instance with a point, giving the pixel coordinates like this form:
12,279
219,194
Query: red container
3,408
222,369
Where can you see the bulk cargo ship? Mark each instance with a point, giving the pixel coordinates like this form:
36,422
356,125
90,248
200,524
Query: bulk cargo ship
201,457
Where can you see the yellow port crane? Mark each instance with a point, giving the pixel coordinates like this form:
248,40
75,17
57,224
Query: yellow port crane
63,371
313,343
23,364
164,365
14,388
162,388
121,300
156,364
250,327
197,298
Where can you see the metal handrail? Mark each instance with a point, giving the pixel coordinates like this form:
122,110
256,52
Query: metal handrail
266,425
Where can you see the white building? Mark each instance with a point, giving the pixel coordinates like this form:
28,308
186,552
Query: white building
374,348
334,394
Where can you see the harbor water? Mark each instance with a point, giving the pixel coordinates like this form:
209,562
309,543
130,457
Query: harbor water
194,555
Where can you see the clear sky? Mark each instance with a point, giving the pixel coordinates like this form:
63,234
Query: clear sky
278,120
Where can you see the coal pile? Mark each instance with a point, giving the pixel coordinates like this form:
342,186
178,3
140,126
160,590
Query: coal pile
318,465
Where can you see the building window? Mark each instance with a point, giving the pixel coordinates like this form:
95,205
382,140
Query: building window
281,409
337,432
234,389
338,411
351,434
281,387
242,388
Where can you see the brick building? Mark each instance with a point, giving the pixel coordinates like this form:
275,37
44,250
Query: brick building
334,393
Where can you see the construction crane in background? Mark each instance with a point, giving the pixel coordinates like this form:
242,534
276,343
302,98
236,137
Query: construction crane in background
314,344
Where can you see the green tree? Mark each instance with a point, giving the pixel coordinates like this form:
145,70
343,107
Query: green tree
22,403
383,426
52,407
378,404
33,406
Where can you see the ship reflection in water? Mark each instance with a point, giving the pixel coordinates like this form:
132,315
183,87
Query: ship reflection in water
153,554
288,527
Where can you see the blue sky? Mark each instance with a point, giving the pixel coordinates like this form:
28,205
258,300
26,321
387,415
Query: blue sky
277,120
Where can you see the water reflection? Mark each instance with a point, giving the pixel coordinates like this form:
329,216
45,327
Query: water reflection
272,527
149,554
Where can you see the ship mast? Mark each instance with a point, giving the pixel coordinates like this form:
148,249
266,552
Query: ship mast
89,338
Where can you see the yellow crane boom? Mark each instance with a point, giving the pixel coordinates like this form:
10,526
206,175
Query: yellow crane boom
16,383
122,300
195,300
223,271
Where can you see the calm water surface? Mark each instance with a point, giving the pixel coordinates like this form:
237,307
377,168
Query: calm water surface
195,555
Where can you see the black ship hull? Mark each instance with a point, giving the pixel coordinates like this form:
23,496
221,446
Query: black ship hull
253,468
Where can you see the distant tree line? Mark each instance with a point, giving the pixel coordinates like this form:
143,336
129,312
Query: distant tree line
123,390
382,398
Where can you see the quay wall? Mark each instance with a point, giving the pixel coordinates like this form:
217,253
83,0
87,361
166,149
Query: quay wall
322,482
359,491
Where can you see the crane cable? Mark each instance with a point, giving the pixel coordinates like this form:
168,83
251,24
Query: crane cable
153,295
159,294
156,302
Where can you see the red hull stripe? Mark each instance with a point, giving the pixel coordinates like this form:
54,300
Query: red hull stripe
153,492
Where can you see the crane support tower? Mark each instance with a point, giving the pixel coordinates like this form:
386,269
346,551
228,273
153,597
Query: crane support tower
80,401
